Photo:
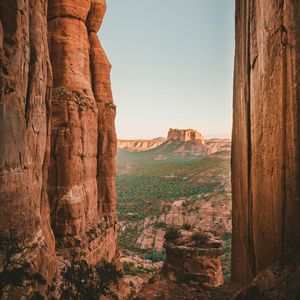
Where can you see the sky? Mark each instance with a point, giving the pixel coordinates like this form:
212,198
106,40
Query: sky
172,65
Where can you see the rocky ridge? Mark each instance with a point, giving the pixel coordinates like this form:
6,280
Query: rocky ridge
184,141
139,145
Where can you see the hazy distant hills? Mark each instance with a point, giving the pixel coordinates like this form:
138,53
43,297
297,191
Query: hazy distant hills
179,143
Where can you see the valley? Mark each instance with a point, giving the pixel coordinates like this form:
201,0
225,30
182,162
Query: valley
188,190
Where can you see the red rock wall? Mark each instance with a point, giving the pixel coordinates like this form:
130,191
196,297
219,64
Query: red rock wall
25,90
83,141
265,151
57,137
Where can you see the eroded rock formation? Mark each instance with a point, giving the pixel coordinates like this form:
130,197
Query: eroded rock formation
61,193
83,142
193,258
265,152
25,96
185,135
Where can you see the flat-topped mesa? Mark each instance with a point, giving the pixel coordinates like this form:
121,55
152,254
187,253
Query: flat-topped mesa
185,135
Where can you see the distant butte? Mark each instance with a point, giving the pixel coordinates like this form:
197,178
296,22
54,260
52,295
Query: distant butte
177,136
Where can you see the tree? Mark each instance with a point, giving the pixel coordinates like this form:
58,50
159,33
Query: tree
14,269
82,281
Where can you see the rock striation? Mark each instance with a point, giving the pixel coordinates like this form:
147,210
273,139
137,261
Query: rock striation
185,135
139,145
81,182
193,258
25,108
58,142
265,150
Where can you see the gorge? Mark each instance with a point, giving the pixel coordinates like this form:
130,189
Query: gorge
58,142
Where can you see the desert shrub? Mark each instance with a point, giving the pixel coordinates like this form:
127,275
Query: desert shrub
155,256
187,226
83,281
160,225
172,233
129,268
200,238
15,270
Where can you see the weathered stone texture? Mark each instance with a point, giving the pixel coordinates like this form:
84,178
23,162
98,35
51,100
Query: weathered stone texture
66,179
83,141
265,152
25,90
193,258
185,135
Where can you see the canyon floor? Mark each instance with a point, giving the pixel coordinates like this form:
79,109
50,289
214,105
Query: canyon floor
157,191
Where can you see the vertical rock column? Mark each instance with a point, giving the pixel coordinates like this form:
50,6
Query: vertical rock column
266,152
83,141
107,141
25,90
72,172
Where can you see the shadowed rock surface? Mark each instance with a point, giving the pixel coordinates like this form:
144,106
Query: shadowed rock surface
25,101
265,142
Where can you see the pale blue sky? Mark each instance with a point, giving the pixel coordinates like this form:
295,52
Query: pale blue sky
172,65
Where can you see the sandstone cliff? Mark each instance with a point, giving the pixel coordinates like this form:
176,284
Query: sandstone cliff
83,142
139,145
265,151
25,101
59,194
184,135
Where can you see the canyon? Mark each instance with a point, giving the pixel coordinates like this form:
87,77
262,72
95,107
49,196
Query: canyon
189,193
58,142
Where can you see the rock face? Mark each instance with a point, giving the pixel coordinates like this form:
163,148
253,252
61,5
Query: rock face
185,135
182,143
83,141
278,281
25,95
60,195
265,152
193,258
139,145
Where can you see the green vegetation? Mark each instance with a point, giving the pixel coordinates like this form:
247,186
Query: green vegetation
14,269
200,238
226,258
129,268
172,233
83,281
187,226
160,225
155,256
147,188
